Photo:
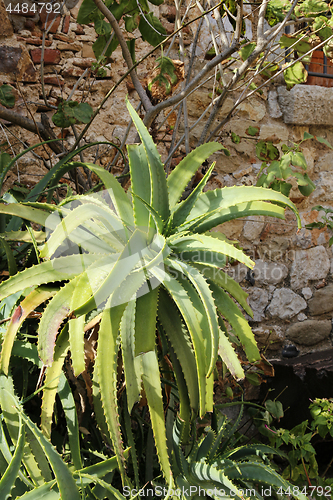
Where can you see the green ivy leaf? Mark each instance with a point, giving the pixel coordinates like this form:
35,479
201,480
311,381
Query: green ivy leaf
267,151
252,131
298,159
309,8
324,141
321,27
130,23
166,67
307,190
235,138
253,378
5,158
247,50
307,136
102,27
100,43
71,112
301,47
151,29
131,48
275,408
88,12
295,74
7,96
276,11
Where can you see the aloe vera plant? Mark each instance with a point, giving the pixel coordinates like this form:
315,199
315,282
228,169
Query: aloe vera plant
144,261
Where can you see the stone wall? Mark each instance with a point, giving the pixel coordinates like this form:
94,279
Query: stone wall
291,291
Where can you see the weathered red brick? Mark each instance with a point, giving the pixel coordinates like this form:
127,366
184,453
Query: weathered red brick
63,38
34,41
47,19
54,80
65,24
51,56
79,30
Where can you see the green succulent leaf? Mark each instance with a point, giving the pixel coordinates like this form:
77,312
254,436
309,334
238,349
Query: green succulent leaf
7,96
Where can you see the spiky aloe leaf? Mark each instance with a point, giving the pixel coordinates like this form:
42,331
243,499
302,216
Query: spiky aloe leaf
259,450
194,322
230,311
25,212
205,294
60,306
229,357
205,473
8,457
29,304
24,349
175,331
183,209
68,405
132,363
222,279
24,236
152,387
64,268
145,322
184,171
209,204
106,363
54,314
130,257
202,242
234,212
51,383
12,268
49,490
12,420
7,481
74,219
118,196
260,473
159,192
65,480
140,183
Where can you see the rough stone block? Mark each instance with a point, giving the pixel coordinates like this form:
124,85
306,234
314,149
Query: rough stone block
269,273
309,265
258,301
16,63
253,227
6,27
322,301
286,304
51,56
306,105
309,332
273,105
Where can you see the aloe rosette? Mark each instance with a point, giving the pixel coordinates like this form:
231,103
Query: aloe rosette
146,261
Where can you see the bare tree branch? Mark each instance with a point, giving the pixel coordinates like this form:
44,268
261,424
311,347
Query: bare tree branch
126,53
